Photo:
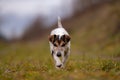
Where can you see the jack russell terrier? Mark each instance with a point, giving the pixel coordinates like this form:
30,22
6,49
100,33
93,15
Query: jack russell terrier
59,40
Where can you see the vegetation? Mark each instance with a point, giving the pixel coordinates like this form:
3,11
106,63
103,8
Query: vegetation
95,51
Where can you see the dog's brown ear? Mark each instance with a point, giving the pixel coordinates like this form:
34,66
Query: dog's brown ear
67,38
52,38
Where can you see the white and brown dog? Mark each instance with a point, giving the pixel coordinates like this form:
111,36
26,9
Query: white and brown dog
59,40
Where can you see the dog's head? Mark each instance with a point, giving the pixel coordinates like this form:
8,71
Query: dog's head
59,43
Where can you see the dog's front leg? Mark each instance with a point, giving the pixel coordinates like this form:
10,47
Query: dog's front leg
64,59
58,63
65,56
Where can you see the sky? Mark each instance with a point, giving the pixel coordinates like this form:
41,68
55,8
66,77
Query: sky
16,15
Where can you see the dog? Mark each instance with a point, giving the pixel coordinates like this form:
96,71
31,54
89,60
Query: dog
59,41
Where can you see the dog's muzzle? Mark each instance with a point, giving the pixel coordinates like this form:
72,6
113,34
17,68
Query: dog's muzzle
59,54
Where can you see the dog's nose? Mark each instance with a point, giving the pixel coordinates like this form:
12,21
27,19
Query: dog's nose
59,54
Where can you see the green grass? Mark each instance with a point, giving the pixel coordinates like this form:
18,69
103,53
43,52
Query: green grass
32,61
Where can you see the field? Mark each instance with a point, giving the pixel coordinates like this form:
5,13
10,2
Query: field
95,51
32,61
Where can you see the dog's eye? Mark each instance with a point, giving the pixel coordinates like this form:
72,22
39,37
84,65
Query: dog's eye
62,45
55,45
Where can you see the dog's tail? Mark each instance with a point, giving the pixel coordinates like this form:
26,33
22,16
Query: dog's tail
59,22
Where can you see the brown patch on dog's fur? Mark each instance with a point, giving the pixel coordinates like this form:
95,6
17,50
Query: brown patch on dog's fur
51,38
56,43
62,43
67,38
64,40
59,42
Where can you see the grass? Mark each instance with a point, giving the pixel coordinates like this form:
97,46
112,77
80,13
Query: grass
32,61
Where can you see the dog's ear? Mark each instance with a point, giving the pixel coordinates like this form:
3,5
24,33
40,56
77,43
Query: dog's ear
52,38
67,38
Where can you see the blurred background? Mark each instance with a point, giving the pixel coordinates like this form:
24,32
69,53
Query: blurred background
19,17
94,26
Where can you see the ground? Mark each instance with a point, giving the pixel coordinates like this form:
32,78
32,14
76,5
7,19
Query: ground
32,61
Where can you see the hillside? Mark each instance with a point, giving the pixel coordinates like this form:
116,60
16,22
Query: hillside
97,30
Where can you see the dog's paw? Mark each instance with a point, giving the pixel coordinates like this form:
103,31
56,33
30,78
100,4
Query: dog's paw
60,66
